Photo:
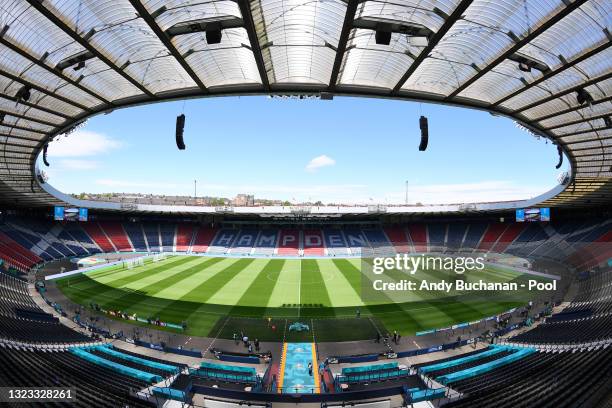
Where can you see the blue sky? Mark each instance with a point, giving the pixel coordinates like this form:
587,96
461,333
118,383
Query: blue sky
349,150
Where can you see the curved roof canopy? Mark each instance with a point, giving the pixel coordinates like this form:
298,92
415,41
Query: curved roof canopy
545,63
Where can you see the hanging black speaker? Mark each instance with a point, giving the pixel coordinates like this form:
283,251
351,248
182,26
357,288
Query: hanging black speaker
424,133
180,127
382,37
213,34
560,151
45,156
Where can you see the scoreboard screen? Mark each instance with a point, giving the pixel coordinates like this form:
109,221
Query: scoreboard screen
533,215
70,214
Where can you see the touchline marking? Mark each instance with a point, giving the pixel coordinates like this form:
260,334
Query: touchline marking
216,336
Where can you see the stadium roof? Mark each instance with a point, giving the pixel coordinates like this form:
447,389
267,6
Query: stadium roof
545,63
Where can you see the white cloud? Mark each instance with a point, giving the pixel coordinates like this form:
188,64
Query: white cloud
318,162
82,143
485,191
77,164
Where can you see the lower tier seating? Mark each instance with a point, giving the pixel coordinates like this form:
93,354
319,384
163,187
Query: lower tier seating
544,380
95,386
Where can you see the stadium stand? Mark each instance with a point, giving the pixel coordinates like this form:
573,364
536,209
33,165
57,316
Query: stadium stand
473,236
289,242
582,244
22,320
203,239
546,379
335,242
184,235
491,236
115,232
418,236
223,241
15,255
436,234
97,386
507,237
98,236
266,242
80,236
167,233
399,239
244,242
151,232
456,234
355,240
135,233
313,242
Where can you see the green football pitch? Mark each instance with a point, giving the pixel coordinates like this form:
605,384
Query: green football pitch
216,297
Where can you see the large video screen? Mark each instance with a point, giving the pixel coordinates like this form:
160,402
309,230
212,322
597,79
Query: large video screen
70,214
533,215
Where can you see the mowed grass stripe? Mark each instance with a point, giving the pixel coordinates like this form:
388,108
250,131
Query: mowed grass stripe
351,274
235,288
179,289
155,288
260,290
144,286
89,287
340,290
203,291
312,284
128,276
191,301
287,287
142,293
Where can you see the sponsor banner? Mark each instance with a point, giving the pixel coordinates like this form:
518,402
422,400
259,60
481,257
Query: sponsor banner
422,333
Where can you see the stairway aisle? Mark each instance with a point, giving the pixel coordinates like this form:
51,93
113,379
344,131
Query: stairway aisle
294,376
